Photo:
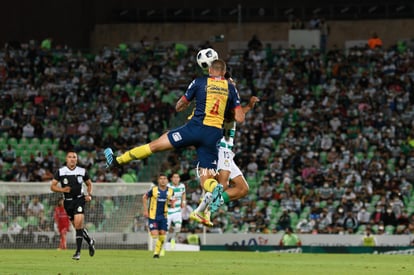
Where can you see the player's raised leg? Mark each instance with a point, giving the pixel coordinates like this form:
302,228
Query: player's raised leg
139,152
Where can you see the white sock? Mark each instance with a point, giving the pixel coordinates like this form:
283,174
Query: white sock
204,202
154,242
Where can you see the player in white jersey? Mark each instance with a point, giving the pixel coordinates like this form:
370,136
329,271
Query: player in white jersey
229,174
174,213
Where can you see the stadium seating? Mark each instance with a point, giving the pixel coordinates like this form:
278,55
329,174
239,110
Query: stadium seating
33,221
21,221
27,146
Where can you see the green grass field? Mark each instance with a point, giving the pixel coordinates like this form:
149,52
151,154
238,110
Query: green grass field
206,262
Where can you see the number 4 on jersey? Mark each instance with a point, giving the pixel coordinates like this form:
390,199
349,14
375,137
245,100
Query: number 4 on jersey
215,109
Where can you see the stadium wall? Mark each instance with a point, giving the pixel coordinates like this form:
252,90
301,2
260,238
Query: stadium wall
389,31
140,240
389,250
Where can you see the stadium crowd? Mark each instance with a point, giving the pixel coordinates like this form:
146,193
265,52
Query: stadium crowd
328,150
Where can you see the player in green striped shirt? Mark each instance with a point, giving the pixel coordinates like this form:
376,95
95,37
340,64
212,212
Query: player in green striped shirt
174,213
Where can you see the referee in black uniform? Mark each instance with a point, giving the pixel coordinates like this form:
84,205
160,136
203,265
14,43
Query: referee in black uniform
71,178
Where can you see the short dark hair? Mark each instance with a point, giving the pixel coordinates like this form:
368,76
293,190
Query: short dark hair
219,65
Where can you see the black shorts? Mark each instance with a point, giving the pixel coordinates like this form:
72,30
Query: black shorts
74,206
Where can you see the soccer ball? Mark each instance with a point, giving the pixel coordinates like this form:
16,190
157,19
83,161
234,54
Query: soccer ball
205,57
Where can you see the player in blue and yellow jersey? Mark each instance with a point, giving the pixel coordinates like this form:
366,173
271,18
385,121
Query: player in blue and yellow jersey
155,203
214,95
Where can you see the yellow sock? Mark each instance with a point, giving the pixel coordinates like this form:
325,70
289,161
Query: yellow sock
209,185
139,152
160,242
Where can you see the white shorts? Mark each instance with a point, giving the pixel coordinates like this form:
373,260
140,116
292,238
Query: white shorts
175,218
226,162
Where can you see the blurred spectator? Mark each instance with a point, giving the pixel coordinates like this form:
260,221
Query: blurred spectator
348,199
248,216
7,124
305,226
195,196
397,205
22,174
252,167
374,41
314,22
39,157
65,143
324,222
193,238
284,221
85,142
376,217
44,173
254,43
289,238
389,218
368,239
403,221
295,204
28,130
262,224
35,208
325,192
265,190
363,216
236,218
9,154
15,227
350,223
381,229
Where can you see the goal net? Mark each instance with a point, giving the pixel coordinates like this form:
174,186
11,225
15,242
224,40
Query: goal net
113,218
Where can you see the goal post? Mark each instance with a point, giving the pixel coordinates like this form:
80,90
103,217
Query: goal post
114,216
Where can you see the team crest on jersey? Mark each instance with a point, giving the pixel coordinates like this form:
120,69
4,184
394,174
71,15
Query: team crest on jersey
80,180
65,181
79,209
176,137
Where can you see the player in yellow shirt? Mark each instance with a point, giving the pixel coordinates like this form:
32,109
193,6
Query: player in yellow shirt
155,203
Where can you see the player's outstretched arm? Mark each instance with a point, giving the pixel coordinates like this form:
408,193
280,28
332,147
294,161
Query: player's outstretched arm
239,115
252,102
181,104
